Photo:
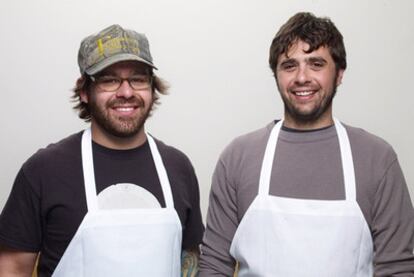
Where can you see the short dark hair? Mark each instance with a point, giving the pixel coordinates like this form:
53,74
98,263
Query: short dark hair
315,31
84,83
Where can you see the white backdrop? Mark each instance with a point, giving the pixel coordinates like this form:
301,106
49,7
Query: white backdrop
214,54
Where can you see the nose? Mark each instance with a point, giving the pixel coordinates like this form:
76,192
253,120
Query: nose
125,90
302,75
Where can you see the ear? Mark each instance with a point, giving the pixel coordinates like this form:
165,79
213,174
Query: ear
82,94
339,76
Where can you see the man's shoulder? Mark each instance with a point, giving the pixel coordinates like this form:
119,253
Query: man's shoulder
258,136
249,143
363,141
360,135
171,153
58,152
65,146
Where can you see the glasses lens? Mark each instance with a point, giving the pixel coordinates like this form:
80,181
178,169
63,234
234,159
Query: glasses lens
109,83
139,82
112,83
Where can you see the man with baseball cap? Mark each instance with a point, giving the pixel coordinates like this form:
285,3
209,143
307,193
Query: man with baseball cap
110,200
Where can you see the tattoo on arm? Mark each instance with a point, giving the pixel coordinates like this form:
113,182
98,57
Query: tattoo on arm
189,263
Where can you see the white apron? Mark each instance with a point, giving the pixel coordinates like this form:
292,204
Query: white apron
290,237
123,242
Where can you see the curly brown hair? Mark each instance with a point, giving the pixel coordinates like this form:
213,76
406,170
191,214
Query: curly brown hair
315,31
84,83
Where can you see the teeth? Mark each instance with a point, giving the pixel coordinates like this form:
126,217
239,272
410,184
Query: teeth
127,109
303,93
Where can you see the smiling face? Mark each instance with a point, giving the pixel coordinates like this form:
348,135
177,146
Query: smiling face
119,115
307,84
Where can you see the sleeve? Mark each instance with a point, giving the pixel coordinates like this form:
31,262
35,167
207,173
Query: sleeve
20,223
222,221
194,227
393,226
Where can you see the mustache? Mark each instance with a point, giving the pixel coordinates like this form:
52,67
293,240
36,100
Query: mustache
303,86
136,101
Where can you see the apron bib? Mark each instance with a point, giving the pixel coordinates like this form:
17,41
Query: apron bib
290,237
123,242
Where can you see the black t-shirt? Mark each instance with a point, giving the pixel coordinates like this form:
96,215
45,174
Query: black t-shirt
48,202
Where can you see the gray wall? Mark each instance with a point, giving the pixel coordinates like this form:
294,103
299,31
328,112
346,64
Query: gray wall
214,54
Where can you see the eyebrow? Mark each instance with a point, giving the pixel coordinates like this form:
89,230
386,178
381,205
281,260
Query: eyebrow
307,60
316,59
288,61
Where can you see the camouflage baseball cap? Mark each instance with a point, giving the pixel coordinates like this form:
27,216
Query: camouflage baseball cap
111,45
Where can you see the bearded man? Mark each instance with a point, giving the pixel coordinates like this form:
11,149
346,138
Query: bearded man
308,195
110,200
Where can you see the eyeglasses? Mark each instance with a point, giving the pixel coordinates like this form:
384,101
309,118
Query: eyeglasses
113,83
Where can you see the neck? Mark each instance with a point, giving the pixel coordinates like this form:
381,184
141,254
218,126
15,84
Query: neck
323,121
108,140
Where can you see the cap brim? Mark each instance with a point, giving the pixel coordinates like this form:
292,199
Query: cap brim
115,59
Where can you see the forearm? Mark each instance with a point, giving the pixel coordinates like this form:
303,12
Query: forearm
189,262
15,263
216,263
221,225
393,226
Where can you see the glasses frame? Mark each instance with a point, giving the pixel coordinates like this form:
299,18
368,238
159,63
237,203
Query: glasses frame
95,80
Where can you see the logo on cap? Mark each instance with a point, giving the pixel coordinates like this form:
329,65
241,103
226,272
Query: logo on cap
112,45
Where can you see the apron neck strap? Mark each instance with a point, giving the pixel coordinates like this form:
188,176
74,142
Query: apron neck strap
268,159
162,173
346,159
89,173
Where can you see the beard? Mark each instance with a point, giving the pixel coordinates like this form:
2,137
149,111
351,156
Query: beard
120,126
314,114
